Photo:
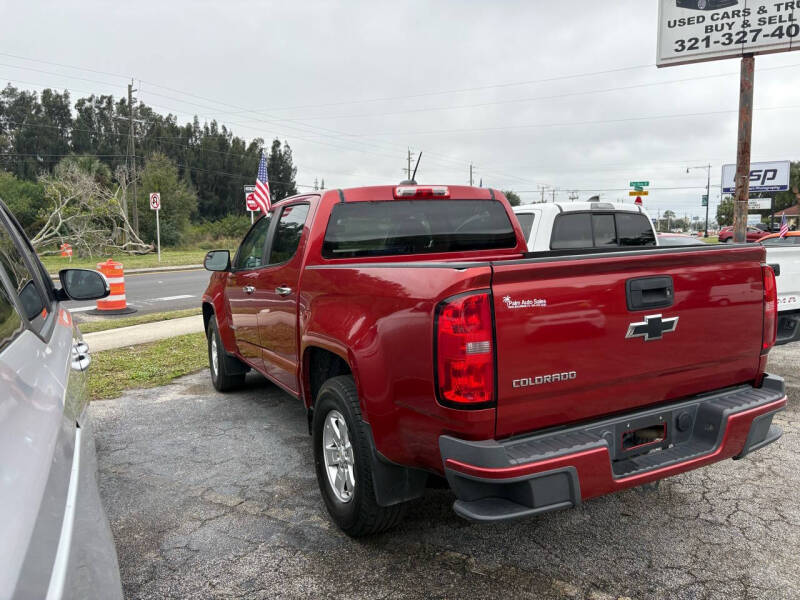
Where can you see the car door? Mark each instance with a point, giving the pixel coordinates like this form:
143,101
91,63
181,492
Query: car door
277,319
245,294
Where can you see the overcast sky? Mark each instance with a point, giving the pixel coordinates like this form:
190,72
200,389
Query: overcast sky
520,88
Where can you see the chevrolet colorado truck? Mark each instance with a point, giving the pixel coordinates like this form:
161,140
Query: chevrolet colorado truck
426,342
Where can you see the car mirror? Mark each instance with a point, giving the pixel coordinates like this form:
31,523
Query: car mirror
218,260
83,284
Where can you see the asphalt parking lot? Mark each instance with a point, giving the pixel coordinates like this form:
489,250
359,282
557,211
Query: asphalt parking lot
214,496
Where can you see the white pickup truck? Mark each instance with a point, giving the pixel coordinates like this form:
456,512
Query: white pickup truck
584,226
785,253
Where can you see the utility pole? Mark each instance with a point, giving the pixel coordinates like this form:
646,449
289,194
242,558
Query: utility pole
554,195
573,196
132,154
408,171
542,189
470,174
744,148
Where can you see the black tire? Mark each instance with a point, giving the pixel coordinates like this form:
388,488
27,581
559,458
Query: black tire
228,373
361,515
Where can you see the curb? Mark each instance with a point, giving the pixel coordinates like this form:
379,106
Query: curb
54,276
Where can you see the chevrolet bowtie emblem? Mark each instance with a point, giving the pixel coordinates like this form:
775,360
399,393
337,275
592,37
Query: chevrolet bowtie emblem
652,328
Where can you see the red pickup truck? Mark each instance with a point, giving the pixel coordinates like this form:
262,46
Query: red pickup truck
426,342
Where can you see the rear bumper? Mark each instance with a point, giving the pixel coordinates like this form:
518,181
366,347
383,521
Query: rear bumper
498,480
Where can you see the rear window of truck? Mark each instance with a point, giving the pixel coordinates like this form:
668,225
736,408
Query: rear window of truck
601,230
416,227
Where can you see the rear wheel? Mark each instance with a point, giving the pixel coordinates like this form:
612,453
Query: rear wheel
342,457
227,372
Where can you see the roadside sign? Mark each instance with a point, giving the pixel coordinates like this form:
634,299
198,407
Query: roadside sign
753,220
699,30
155,204
638,201
640,184
250,201
705,201
640,193
764,177
249,189
759,204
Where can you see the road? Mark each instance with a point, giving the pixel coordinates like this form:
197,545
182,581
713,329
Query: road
214,496
158,292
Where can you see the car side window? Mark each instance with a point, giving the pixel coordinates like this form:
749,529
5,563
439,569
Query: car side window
23,281
10,321
251,250
526,222
288,233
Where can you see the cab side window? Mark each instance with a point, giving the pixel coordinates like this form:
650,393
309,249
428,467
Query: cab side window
251,251
288,233
526,222
22,280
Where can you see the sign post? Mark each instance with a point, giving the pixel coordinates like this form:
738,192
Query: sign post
250,201
155,204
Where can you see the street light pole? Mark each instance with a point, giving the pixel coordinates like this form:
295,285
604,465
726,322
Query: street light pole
708,190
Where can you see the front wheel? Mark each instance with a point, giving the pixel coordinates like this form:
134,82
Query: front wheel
226,372
342,457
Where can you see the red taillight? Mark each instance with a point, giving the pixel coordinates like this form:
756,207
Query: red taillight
770,310
413,191
465,356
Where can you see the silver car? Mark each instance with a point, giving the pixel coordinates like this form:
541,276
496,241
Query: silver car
55,541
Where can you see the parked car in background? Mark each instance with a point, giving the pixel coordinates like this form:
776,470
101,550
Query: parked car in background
785,253
678,239
753,235
55,541
426,342
584,225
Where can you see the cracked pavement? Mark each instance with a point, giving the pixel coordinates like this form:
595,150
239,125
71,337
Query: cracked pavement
214,496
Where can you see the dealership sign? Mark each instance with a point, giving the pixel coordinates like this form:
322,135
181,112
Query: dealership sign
764,177
698,30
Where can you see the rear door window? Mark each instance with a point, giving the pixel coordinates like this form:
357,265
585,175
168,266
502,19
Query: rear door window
288,233
22,279
605,232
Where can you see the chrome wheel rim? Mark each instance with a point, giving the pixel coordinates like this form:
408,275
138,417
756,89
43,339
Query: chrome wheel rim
214,355
338,456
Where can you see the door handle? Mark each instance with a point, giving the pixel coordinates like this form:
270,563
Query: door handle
283,290
248,289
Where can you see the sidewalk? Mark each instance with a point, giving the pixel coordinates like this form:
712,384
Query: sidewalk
143,334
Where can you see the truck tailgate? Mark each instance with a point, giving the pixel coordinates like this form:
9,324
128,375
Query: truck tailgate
563,354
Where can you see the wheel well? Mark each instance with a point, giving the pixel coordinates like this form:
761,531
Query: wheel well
208,313
321,365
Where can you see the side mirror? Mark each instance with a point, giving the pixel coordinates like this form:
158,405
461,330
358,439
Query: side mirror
82,284
218,260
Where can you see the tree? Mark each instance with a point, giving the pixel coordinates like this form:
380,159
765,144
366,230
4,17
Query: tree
281,171
25,199
512,197
725,212
784,200
178,201
80,210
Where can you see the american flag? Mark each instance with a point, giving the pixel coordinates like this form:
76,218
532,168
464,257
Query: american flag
784,227
261,192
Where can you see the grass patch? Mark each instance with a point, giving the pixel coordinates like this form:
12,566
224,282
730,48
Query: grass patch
146,366
711,240
94,326
169,258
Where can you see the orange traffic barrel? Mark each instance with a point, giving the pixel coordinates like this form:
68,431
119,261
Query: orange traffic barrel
115,303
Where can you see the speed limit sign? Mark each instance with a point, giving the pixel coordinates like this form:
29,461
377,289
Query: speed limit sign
155,201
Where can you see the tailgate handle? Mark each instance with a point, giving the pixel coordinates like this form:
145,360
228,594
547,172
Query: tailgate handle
646,293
